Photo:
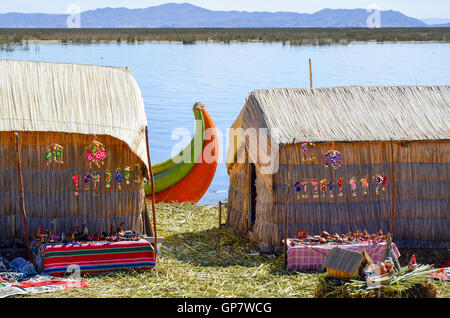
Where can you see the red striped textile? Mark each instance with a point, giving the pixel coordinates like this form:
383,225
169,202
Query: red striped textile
93,257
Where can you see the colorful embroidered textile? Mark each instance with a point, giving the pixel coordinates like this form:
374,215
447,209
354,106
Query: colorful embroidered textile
312,257
92,257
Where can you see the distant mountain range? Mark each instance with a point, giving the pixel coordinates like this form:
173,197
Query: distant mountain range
185,15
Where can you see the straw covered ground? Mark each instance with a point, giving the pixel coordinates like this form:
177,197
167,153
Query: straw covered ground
200,260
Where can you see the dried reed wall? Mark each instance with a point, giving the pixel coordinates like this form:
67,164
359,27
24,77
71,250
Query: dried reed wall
49,191
422,214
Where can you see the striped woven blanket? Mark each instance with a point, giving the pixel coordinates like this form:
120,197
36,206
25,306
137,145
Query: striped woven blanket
93,257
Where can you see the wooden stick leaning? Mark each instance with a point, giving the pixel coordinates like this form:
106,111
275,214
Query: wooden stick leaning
286,205
393,188
152,182
22,198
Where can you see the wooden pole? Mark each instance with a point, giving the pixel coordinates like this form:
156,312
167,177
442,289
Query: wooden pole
286,204
310,75
393,188
220,214
22,198
152,182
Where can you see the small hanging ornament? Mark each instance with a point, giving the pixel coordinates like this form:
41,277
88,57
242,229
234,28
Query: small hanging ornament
352,183
76,181
365,184
378,181
127,175
108,176
119,178
332,158
308,151
340,185
95,153
55,153
323,187
304,184
383,184
298,189
96,178
316,189
330,189
87,179
137,173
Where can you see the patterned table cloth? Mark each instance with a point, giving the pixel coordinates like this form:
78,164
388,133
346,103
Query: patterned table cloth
92,257
312,257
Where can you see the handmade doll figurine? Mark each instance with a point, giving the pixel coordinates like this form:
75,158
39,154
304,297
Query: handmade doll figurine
96,178
304,184
308,151
352,183
119,178
108,176
127,175
383,184
323,187
340,185
378,181
76,181
298,188
87,179
365,184
316,189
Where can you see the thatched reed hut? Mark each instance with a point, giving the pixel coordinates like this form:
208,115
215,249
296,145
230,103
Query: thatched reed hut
69,104
399,132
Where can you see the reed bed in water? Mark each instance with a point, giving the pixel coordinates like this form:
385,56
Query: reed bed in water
293,36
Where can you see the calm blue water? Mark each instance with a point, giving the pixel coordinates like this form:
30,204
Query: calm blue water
172,77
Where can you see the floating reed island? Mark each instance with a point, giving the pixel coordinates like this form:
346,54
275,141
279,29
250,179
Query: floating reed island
392,164
293,36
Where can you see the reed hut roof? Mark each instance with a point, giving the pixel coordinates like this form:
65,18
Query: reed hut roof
82,99
349,114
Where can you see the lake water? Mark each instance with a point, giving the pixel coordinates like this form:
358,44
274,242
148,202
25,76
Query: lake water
172,77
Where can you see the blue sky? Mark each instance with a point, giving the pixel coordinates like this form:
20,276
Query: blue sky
414,8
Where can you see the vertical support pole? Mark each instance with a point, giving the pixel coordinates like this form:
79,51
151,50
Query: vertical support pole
393,188
22,197
286,203
310,75
220,214
152,182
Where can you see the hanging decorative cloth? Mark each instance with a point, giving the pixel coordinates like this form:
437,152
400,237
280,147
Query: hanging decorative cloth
352,183
76,181
378,181
95,153
340,185
365,184
308,151
323,187
119,178
55,153
332,158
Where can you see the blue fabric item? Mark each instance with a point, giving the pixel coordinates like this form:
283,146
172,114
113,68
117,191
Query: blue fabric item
12,273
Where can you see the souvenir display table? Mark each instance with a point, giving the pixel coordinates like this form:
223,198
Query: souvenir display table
313,256
93,257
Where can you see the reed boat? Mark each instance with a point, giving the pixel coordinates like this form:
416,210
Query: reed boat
188,180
